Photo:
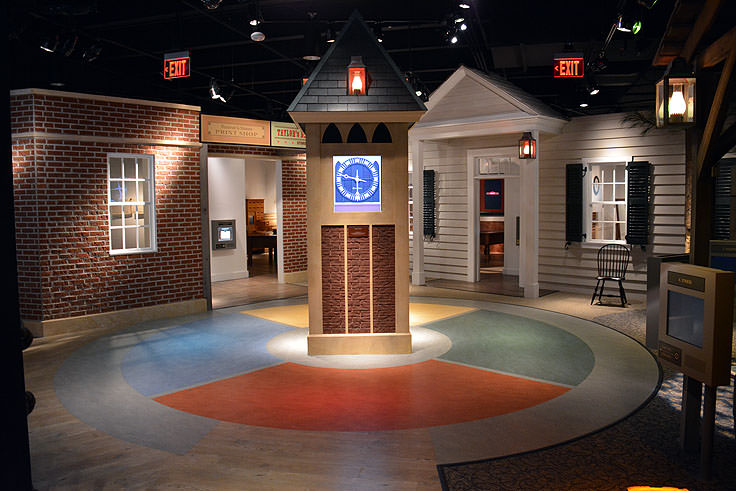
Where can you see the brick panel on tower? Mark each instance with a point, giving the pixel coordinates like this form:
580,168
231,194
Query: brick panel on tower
384,279
358,273
333,274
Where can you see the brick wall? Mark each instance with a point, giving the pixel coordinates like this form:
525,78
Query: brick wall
359,276
384,278
64,265
333,280
293,199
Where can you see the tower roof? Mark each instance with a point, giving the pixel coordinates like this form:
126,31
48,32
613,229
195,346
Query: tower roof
325,96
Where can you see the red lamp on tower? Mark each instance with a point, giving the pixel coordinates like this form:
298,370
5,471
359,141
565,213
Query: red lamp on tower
357,80
527,146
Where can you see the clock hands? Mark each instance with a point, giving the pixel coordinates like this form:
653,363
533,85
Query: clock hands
355,178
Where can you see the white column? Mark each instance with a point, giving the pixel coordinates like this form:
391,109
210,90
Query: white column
529,257
417,179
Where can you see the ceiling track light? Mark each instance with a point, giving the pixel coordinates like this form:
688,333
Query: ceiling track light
216,91
92,53
463,5
211,4
378,31
49,44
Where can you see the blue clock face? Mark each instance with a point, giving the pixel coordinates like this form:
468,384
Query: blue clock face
357,183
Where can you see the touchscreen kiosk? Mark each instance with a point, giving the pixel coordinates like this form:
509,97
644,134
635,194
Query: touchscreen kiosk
696,321
223,234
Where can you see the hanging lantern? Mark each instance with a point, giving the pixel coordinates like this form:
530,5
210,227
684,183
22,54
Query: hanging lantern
527,147
675,100
357,83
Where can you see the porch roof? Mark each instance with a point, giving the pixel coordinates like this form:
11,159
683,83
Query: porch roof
472,103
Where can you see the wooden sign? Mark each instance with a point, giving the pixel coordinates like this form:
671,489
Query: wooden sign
287,135
223,129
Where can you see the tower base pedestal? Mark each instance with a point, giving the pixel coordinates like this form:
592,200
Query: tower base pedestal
359,344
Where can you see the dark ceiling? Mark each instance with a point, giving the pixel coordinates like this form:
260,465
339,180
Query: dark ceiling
515,39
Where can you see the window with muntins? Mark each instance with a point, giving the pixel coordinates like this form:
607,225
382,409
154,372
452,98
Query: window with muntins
606,202
131,203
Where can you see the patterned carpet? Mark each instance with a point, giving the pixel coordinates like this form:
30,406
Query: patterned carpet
641,450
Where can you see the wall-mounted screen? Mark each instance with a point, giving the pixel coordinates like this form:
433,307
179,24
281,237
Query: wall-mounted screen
223,234
685,318
357,183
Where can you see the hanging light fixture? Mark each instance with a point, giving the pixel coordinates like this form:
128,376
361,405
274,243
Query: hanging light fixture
49,44
675,95
357,80
527,146
216,91
378,32
463,5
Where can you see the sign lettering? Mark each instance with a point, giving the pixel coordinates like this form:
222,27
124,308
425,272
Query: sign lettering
177,65
569,67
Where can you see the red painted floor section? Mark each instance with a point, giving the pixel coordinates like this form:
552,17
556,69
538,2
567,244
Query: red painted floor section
298,397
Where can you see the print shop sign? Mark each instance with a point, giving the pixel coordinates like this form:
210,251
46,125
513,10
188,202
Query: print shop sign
222,129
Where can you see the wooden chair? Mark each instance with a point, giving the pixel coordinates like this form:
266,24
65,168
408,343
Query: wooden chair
613,259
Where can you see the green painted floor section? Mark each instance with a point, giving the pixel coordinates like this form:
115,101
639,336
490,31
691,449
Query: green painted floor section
516,345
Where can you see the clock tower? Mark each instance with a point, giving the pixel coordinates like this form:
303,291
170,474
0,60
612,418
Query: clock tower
356,108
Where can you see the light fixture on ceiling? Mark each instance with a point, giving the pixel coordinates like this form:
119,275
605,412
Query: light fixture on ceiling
92,53
255,19
211,4
216,91
331,34
255,16
69,45
420,90
378,31
463,5
49,44
257,35
451,35
593,88
621,25
583,104
312,39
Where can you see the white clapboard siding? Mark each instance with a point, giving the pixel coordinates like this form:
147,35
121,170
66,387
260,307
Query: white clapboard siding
574,269
446,256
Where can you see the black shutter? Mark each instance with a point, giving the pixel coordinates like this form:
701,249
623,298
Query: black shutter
574,202
722,202
637,203
429,205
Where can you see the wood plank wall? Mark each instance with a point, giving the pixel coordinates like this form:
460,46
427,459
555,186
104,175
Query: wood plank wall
446,256
572,269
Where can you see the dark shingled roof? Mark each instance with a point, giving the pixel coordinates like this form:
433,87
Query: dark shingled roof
326,89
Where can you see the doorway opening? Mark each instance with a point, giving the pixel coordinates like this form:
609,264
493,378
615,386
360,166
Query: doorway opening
496,246
247,191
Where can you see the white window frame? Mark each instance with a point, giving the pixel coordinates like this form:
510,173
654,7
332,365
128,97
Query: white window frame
150,182
588,197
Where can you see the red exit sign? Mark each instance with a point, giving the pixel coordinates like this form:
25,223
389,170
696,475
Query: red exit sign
177,65
569,67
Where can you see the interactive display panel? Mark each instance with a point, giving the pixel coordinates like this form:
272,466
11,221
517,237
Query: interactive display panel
696,321
223,234
357,183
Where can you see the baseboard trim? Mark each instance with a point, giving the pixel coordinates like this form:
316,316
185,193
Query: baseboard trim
117,318
297,277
